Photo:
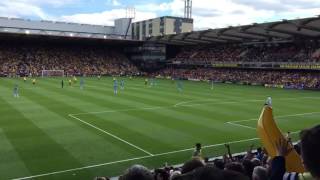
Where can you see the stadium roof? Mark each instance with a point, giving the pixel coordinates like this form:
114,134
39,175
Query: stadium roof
54,29
285,30
21,37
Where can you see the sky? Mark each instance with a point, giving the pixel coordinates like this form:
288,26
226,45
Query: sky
206,13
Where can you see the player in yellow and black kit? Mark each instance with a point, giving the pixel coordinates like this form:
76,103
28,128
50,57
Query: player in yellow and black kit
24,79
75,79
34,81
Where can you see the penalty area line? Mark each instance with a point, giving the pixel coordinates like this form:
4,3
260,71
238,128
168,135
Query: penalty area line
110,134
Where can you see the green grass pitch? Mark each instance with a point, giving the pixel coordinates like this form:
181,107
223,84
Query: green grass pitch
54,133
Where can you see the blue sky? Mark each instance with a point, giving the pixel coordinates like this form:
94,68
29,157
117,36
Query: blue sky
206,13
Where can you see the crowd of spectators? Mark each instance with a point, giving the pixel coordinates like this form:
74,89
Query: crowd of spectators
251,166
263,53
289,79
20,60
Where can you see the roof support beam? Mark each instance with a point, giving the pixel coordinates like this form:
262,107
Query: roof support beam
171,37
222,38
213,39
203,33
289,32
185,35
245,31
307,21
267,35
183,42
242,37
309,28
174,43
197,41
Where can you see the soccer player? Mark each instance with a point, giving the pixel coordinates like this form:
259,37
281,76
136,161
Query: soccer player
122,84
146,82
75,79
34,81
211,84
115,87
269,101
25,79
70,82
179,85
152,82
81,83
62,84
99,77
16,91
197,152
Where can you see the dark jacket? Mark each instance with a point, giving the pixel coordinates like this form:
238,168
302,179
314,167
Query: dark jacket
278,168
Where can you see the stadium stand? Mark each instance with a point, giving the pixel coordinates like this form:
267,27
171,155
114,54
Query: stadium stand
25,60
287,52
283,65
270,78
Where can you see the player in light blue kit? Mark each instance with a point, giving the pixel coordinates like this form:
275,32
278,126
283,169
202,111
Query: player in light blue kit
212,83
81,83
153,82
16,91
269,101
115,86
179,85
122,84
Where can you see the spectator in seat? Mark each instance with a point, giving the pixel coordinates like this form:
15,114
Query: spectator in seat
260,173
235,166
211,173
310,150
191,165
161,174
137,172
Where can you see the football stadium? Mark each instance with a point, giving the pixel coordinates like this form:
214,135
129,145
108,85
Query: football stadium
159,99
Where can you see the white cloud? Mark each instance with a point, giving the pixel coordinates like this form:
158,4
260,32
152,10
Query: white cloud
113,2
54,3
20,9
153,7
116,3
222,13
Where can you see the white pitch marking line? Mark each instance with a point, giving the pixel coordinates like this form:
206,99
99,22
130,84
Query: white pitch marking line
81,168
132,159
289,115
185,103
240,125
112,135
121,110
235,123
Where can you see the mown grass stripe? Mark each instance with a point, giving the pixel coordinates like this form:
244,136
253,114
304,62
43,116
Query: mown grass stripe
24,135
